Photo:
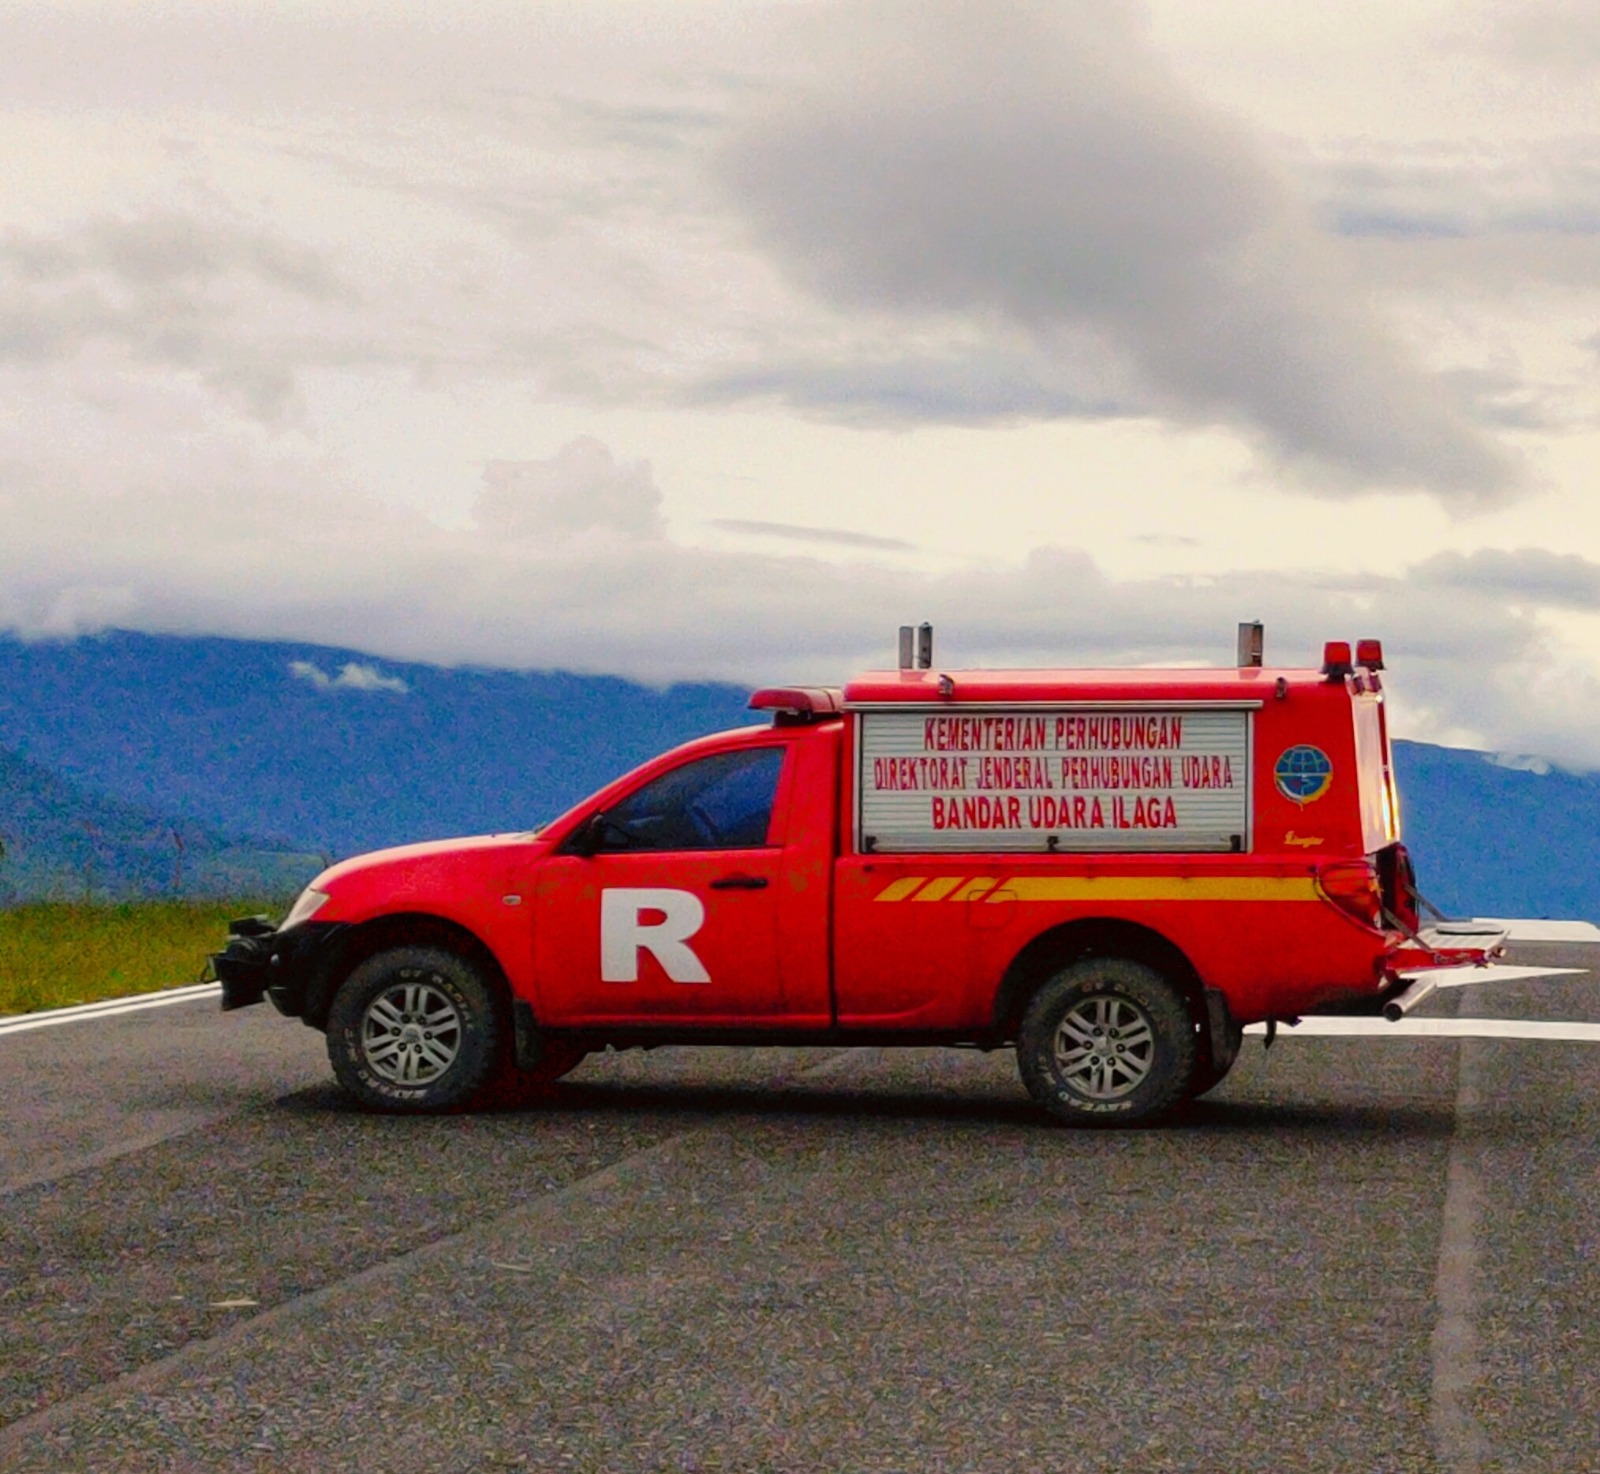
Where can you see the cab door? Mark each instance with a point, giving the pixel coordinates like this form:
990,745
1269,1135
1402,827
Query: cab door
664,909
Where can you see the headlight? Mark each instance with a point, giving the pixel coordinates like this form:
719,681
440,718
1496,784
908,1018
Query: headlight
306,905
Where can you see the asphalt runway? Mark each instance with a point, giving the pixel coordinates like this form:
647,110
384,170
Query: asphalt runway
1358,1255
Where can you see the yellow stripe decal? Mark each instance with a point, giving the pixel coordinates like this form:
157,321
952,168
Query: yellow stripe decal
1095,888
1156,888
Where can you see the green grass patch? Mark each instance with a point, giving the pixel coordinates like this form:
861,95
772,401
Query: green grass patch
57,953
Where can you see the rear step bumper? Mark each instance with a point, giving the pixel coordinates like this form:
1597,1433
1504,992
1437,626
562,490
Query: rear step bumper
1449,944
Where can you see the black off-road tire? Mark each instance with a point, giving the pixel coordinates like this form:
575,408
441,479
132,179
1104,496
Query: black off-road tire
414,1030
1212,1068
1107,1042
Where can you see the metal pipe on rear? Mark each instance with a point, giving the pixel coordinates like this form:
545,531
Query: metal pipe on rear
1403,1002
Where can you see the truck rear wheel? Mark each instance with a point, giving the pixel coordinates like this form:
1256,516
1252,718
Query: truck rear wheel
1106,1042
414,1029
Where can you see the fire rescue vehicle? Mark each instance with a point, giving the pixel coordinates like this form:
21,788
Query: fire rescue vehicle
1113,871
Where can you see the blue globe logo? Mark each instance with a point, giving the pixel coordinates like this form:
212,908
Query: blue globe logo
1303,774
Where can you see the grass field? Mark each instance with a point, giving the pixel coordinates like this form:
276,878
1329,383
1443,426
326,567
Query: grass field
57,953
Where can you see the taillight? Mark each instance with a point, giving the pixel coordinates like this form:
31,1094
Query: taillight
1352,886
1399,883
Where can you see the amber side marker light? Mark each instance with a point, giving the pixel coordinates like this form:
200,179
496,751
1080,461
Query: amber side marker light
1352,886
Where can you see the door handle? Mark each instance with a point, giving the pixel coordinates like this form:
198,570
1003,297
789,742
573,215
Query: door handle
740,883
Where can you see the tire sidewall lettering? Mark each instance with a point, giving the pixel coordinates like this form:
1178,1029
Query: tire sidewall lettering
448,974
1160,1007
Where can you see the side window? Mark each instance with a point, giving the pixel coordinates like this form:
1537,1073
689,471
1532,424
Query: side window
716,803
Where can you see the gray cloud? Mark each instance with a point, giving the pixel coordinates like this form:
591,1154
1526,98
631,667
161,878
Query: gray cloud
1037,168
1559,37
1522,575
790,532
161,251
1504,400
168,290
581,489
1515,189
964,383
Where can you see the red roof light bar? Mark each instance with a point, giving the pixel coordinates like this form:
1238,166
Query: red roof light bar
799,703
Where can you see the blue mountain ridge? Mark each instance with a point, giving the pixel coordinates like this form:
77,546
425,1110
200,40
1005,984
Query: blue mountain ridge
224,733
58,841
1490,840
356,752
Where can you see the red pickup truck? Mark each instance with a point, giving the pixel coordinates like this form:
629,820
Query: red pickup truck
1114,871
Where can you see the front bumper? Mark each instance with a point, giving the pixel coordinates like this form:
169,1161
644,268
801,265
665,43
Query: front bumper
283,966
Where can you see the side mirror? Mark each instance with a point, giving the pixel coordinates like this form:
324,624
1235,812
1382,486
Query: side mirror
588,837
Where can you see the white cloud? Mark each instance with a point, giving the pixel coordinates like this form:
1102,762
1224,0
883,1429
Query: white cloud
306,670
355,675
1474,655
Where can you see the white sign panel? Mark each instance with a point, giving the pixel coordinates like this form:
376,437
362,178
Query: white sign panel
1054,778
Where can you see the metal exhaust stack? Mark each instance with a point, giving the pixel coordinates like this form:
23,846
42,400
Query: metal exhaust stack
1416,990
916,646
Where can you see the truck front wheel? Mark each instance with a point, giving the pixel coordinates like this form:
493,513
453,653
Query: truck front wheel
414,1029
1106,1042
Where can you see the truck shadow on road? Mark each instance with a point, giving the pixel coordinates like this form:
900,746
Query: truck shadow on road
693,1103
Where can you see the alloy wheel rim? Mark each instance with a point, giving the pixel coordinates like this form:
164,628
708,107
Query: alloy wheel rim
411,1033
1105,1047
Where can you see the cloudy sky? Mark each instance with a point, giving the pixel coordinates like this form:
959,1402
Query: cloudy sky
716,338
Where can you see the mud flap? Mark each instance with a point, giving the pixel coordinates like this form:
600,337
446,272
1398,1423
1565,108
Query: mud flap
527,1040
1218,1024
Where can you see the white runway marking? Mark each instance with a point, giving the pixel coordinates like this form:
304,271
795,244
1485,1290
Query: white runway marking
1457,1369
1439,1028
1585,933
109,1008
1496,972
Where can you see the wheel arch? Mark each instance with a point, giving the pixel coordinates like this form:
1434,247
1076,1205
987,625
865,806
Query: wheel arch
1099,936
402,929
